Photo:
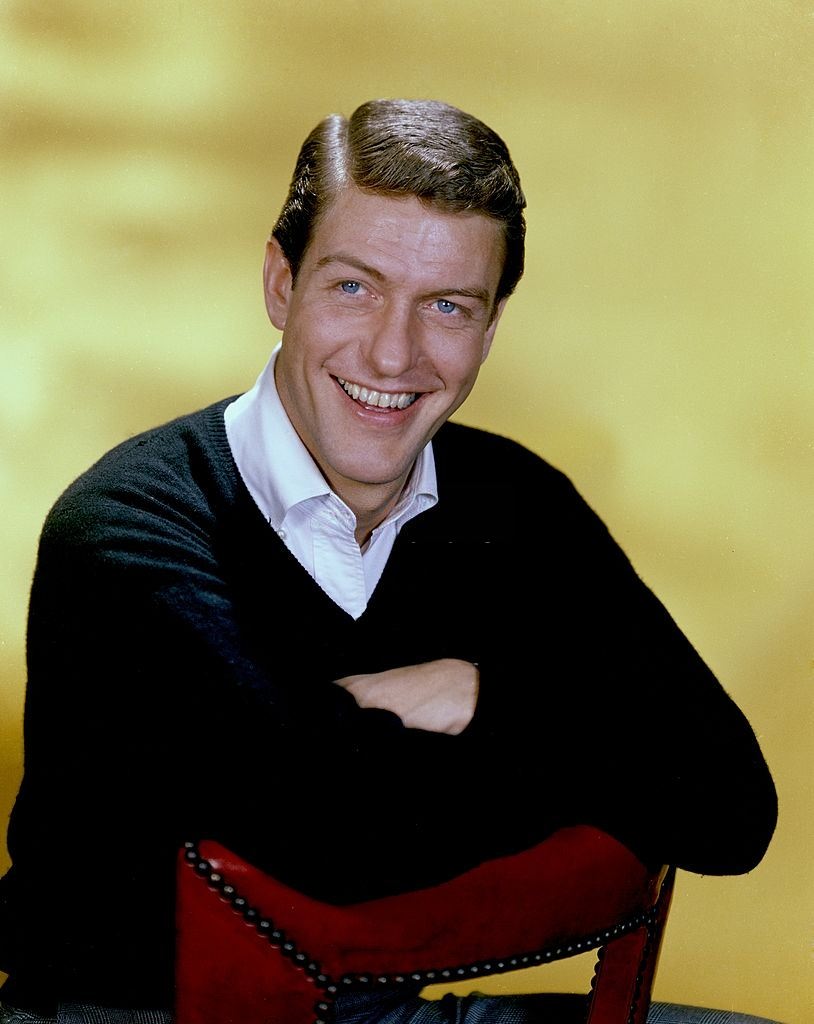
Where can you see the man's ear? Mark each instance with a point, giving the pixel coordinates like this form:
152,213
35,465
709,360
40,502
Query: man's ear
277,284
490,330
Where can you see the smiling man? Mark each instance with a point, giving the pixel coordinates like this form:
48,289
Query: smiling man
394,311
299,621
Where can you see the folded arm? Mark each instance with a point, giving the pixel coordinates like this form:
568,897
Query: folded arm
438,696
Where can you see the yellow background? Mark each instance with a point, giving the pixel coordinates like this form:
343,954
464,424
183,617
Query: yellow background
659,349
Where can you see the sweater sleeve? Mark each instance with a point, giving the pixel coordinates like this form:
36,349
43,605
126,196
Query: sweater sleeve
646,742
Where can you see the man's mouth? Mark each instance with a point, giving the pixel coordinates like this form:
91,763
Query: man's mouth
378,399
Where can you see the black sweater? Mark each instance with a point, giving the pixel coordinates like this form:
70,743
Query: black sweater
180,686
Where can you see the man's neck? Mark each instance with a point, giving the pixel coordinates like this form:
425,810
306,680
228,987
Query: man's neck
371,504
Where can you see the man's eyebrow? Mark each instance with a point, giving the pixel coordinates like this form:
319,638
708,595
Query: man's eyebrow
469,293
481,294
350,261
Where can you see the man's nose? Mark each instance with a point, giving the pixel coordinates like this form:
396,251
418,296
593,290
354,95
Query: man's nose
392,344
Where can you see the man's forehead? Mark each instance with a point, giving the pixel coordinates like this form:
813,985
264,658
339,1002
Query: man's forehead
389,207
371,228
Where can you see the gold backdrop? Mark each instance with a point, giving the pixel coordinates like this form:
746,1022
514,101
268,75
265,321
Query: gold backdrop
659,349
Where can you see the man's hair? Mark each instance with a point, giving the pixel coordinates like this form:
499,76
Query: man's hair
443,156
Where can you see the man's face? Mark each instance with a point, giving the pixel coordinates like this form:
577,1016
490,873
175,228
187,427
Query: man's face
383,333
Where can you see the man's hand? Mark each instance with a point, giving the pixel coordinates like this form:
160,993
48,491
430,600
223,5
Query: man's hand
438,696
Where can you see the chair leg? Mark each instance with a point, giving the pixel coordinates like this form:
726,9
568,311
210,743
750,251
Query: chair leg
617,980
652,949
627,968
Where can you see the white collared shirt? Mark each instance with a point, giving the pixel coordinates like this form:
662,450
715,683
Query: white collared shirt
315,524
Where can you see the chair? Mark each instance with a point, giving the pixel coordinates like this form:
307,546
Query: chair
250,950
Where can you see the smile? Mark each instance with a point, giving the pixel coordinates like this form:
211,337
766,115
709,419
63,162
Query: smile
379,399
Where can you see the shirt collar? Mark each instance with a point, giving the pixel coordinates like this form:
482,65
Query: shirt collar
278,469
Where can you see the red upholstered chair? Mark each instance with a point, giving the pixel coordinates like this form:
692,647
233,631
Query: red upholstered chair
252,951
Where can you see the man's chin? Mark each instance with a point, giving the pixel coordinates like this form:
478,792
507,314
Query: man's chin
375,474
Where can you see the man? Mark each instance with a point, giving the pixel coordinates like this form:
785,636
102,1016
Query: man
299,622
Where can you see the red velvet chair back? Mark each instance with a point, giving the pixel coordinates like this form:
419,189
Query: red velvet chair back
253,951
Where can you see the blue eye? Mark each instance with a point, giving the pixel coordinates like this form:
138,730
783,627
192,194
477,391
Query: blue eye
445,306
350,287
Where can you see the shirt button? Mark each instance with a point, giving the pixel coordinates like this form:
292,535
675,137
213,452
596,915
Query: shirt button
281,534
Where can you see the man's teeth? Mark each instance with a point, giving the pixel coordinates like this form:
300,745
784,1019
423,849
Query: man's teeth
382,399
